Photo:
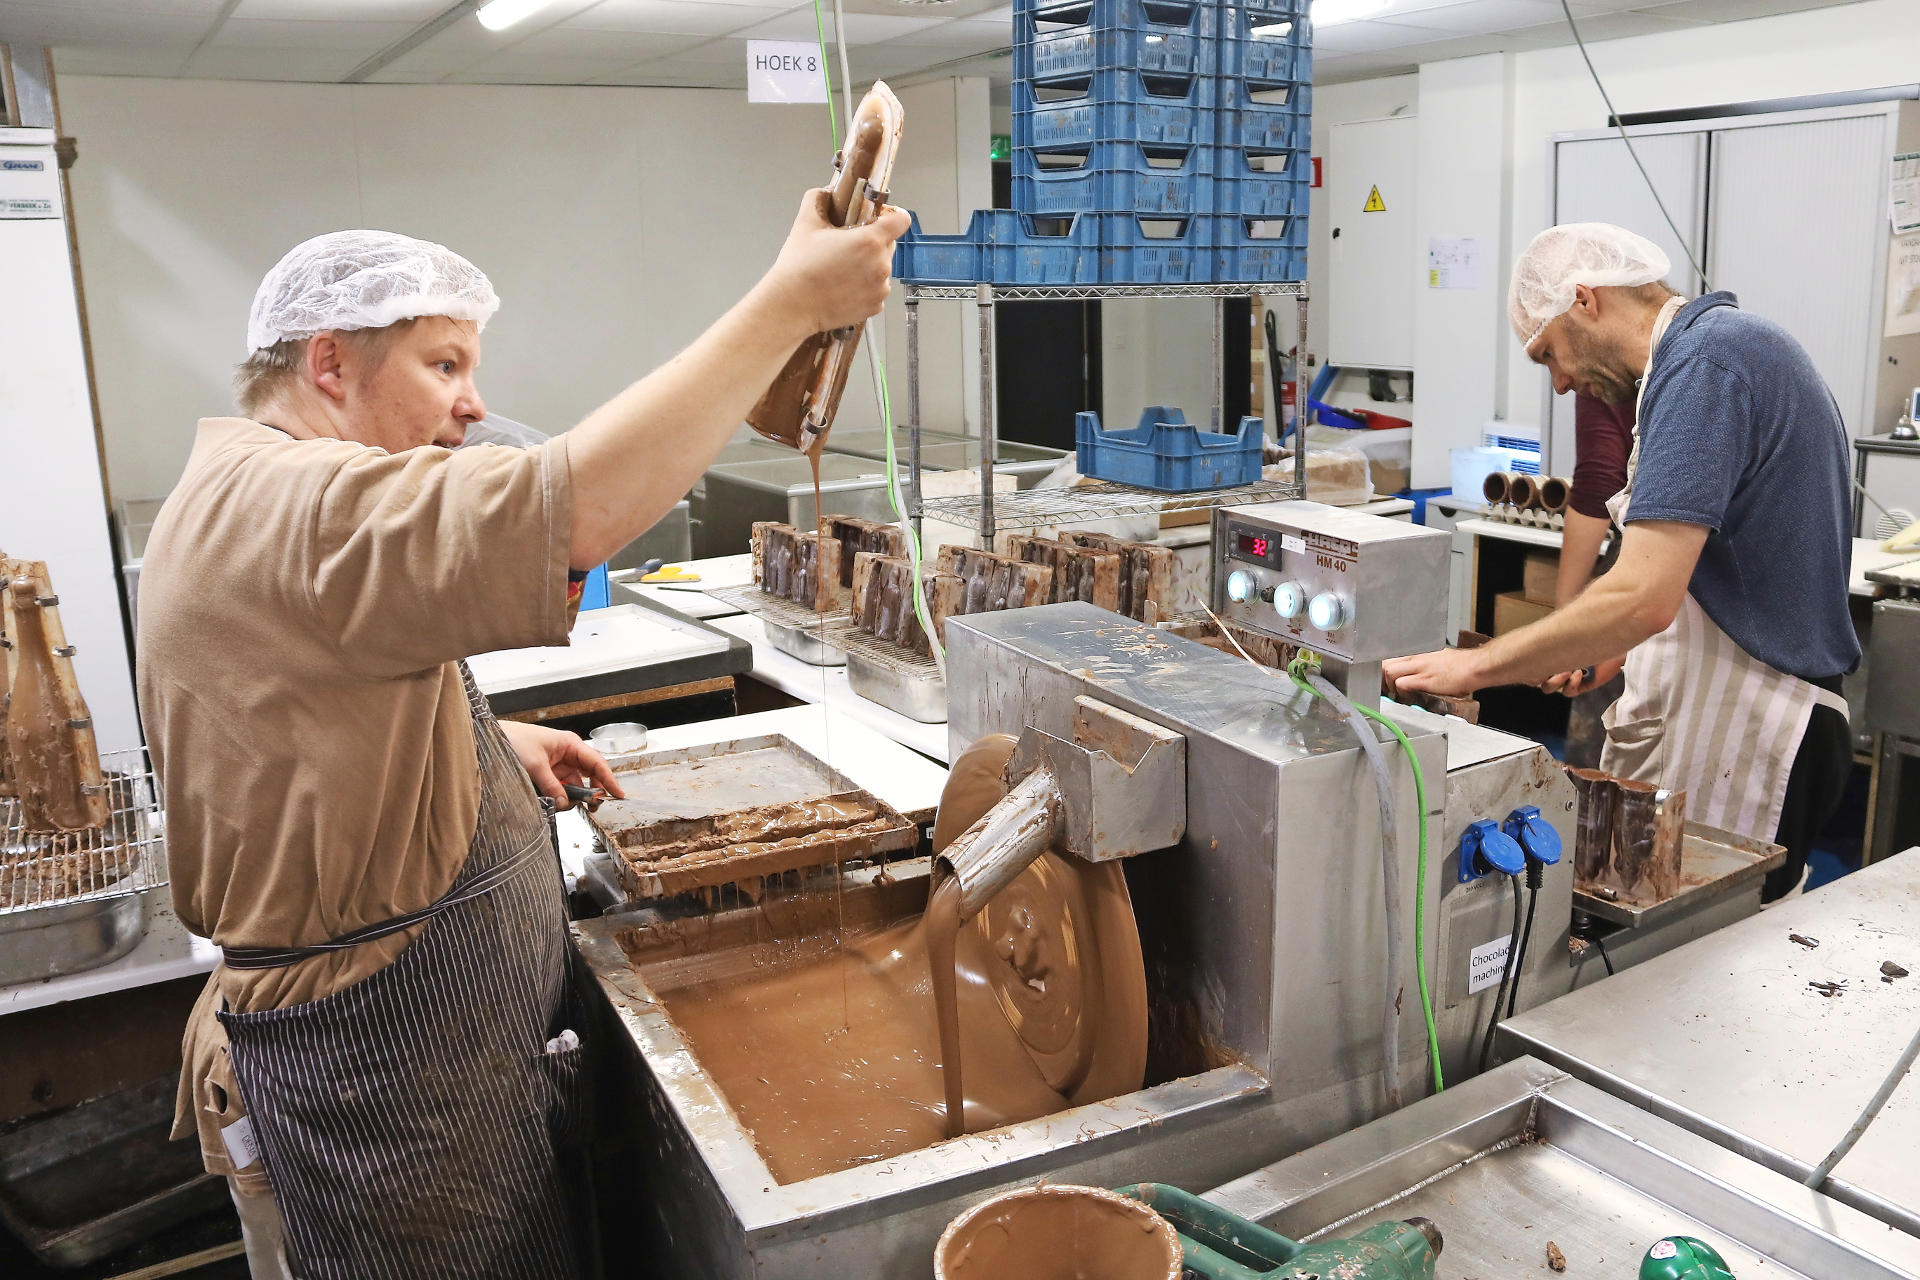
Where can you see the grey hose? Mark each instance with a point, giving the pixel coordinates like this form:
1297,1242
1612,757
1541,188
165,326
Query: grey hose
1867,1113
1390,865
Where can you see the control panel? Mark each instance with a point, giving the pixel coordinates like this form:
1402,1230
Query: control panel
1358,587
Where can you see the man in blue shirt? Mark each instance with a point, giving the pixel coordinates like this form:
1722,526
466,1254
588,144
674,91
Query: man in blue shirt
1728,604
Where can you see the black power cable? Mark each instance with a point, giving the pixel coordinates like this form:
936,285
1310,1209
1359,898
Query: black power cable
1535,874
1506,975
1605,959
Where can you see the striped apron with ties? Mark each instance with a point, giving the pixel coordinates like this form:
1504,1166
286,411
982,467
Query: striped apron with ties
424,1121
1700,713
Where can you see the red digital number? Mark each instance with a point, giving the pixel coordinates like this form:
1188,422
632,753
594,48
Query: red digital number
1260,547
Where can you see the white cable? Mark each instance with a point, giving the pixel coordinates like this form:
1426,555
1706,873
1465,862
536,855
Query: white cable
884,402
1867,1113
846,77
1390,864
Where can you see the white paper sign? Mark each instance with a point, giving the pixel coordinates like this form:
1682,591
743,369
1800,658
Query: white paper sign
1903,287
1453,262
1485,962
240,1144
1906,193
785,71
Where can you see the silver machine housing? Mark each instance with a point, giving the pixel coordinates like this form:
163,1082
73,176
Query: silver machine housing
1263,930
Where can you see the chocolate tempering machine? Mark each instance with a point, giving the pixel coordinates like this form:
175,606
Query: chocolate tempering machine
1249,825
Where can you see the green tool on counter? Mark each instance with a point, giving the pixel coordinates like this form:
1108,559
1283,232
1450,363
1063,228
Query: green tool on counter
1683,1258
1218,1245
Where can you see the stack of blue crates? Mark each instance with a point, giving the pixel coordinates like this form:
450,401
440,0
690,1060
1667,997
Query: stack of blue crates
1154,142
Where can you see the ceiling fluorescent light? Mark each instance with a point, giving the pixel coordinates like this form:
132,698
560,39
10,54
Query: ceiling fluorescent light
1325,12
498,15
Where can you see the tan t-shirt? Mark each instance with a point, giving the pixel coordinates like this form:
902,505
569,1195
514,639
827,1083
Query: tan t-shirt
302,605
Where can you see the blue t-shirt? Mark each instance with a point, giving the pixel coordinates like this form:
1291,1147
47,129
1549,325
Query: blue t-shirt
1739,433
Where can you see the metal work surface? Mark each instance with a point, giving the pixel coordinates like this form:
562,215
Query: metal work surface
1526,1155
1713,865
1728,1036
1098,500
622,649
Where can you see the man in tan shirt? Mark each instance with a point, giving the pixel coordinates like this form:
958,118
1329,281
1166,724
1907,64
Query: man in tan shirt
344,817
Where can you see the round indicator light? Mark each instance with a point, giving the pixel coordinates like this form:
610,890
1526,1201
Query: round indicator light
1289,600
1327,612
1240,586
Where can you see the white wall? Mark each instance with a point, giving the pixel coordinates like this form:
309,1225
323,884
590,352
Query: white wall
1485,167
1857,46
1462,146
616,224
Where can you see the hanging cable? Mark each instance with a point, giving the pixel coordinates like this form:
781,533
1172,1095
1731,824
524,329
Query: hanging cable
1685,248
1534,877
875,362
1506,975
1605,959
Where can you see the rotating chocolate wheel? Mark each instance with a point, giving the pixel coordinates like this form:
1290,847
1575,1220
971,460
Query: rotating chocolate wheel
1058,948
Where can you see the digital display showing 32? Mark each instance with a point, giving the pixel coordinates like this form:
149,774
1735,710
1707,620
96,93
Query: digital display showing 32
1257,546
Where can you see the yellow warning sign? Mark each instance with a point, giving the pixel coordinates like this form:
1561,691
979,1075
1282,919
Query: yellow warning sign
1374,203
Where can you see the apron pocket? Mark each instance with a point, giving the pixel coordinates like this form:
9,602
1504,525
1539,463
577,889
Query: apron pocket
562,1067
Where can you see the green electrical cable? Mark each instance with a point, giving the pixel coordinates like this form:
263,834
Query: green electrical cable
826,70
880,386
1296,669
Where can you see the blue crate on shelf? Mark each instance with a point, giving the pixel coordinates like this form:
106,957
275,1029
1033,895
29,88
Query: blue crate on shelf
1141,249
1260,185
1156,50
1167,453
1250,117
1002,247
1259,250
1271,44
1068,122
1114,177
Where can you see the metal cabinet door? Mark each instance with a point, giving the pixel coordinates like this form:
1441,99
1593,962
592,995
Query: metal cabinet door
1373,269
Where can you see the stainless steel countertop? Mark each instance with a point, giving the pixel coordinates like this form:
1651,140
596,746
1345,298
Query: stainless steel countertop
1725,1037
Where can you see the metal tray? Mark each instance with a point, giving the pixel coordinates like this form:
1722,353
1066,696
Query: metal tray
46,942
909,684
89,1181
805,643
679,793
1526,1154
1714,864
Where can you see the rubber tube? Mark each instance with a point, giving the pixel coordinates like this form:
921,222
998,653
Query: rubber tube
1390,865
1867,1113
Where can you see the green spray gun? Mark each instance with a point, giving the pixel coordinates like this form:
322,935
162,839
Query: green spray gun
1218,1245
1683,1258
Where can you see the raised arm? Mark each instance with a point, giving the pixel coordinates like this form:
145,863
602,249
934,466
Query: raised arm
636,455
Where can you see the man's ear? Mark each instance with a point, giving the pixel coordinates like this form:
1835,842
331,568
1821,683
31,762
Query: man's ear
326,365
1586,300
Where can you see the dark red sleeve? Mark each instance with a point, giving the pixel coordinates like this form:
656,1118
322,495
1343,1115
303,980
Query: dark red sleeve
1602,439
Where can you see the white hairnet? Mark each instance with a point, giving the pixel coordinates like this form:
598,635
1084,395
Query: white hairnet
1595,254
365,280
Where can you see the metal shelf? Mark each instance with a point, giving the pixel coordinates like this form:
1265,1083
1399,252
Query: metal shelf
1095,292
1100,500
989,512
127,855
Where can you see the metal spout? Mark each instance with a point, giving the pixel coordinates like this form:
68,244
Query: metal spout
988,855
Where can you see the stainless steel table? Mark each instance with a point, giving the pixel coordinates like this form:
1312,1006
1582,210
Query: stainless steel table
1728,1037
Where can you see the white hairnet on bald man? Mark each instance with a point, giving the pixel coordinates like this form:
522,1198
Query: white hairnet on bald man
1596,254
365,280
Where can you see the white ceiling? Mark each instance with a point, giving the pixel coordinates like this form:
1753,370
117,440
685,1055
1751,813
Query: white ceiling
702,42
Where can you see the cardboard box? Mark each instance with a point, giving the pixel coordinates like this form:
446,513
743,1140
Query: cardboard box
1512,610
1542,577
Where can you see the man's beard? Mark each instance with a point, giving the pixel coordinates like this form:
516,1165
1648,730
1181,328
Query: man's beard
1602,384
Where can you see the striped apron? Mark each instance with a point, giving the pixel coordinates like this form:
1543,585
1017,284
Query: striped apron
421,1122
1700,713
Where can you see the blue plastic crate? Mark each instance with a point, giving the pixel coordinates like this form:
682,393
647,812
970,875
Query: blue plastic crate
1001,247
1167,453
1114,177
1245,185
1071,119
1258,250
1051,15
1275,60
1249,118
1146,250
1080,52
